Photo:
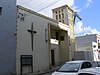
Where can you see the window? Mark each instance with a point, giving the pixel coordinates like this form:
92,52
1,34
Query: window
94,46
56,12
59,11
59,20
69,67
62,38
26,62
57,36
86,65
56,17
0,10
98,41
59,16
62,15
26,59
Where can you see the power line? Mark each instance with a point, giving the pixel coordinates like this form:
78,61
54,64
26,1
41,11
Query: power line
26,2
48,6
45,7
41,3
37,5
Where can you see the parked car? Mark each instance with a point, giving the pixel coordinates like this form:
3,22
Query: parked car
72,67
90,71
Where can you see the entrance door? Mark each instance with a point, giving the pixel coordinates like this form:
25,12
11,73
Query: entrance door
52,58
26,64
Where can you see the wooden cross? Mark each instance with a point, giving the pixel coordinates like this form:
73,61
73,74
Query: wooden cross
32,33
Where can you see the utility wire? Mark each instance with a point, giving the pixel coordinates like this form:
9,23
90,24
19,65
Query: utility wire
37,5
42,3
45,7
26,2
48,6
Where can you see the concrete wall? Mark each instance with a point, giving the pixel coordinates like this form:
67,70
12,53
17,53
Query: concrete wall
7,37
55,46
85,42
83,55
64,47
61,47
88,43
40,46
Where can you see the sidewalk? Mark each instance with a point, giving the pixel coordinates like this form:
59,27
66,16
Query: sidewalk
44,73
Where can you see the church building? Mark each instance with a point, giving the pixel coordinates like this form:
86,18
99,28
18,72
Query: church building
31,42
43,42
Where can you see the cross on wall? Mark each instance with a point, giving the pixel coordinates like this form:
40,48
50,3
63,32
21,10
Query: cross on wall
32,33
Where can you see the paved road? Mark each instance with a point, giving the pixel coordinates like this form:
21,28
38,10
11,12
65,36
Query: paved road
47,74
40,74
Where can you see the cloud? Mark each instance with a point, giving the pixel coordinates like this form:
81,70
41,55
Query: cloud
76,9
81,30
90,30
78,27
88,3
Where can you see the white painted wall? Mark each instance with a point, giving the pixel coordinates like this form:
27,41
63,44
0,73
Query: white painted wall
41,49
95,51
40,52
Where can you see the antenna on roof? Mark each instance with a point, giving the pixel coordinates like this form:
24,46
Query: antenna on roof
76,15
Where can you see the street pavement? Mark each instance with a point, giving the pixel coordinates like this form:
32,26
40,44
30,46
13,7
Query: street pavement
47,73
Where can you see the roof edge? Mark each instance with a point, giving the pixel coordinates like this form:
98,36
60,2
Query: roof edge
33,12
64,7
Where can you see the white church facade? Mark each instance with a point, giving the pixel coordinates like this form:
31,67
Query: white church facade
32,42
42,42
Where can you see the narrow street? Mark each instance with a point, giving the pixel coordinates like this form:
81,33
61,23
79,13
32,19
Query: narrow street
47,73
41,74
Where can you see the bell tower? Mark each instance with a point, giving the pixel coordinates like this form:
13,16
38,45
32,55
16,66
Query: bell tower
65,15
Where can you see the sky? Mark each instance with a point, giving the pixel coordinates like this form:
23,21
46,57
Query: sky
88,10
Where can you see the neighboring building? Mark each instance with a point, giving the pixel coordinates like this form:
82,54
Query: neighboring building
7,37
91,44
65,15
